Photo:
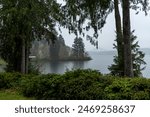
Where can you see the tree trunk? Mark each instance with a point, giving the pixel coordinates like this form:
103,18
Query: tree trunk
119,37
23,57
16,60
26,58
128,65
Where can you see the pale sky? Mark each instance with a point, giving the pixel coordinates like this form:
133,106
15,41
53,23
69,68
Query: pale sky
140,23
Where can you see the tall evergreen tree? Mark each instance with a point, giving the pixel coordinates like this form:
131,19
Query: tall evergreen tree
123,42
97,11
22,21
128,64
137,57
78,48
119,38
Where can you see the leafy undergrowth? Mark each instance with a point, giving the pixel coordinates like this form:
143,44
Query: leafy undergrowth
73,85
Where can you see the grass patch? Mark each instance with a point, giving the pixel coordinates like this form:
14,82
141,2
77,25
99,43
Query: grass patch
10,94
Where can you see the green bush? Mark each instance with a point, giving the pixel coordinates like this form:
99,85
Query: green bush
38,86
119,89
128,88
78,84
34,68
140,88
140,84
9,80
83,84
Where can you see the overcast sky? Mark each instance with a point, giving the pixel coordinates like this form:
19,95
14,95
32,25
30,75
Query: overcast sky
140,23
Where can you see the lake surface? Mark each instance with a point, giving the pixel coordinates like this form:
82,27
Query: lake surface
100,61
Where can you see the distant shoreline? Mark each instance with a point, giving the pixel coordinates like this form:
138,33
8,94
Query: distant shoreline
66,59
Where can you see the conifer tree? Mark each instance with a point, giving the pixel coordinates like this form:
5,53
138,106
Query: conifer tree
137,59
78,48
21,22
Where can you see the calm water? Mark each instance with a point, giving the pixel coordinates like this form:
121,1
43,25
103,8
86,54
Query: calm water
100,62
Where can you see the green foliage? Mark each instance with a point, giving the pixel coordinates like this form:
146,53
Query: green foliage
33,68
22,22
77,13
119,89
77,85
128,88
84,84
78,48
72,85
38,86
137,59
9,80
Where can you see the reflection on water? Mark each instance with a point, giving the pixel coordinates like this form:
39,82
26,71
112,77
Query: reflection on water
78,64
60,66
55,66
99,62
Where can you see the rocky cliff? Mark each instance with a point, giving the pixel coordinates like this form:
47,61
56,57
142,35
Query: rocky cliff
52,51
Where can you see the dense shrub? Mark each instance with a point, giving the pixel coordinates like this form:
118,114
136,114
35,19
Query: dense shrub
83,84
38,86
77,84
119,89
9,80
128,88
140,88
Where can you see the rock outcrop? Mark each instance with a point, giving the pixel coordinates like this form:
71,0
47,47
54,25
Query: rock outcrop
51,51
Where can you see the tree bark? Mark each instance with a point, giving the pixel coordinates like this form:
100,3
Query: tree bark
23,57
128,65
17,55
119,37
26,58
